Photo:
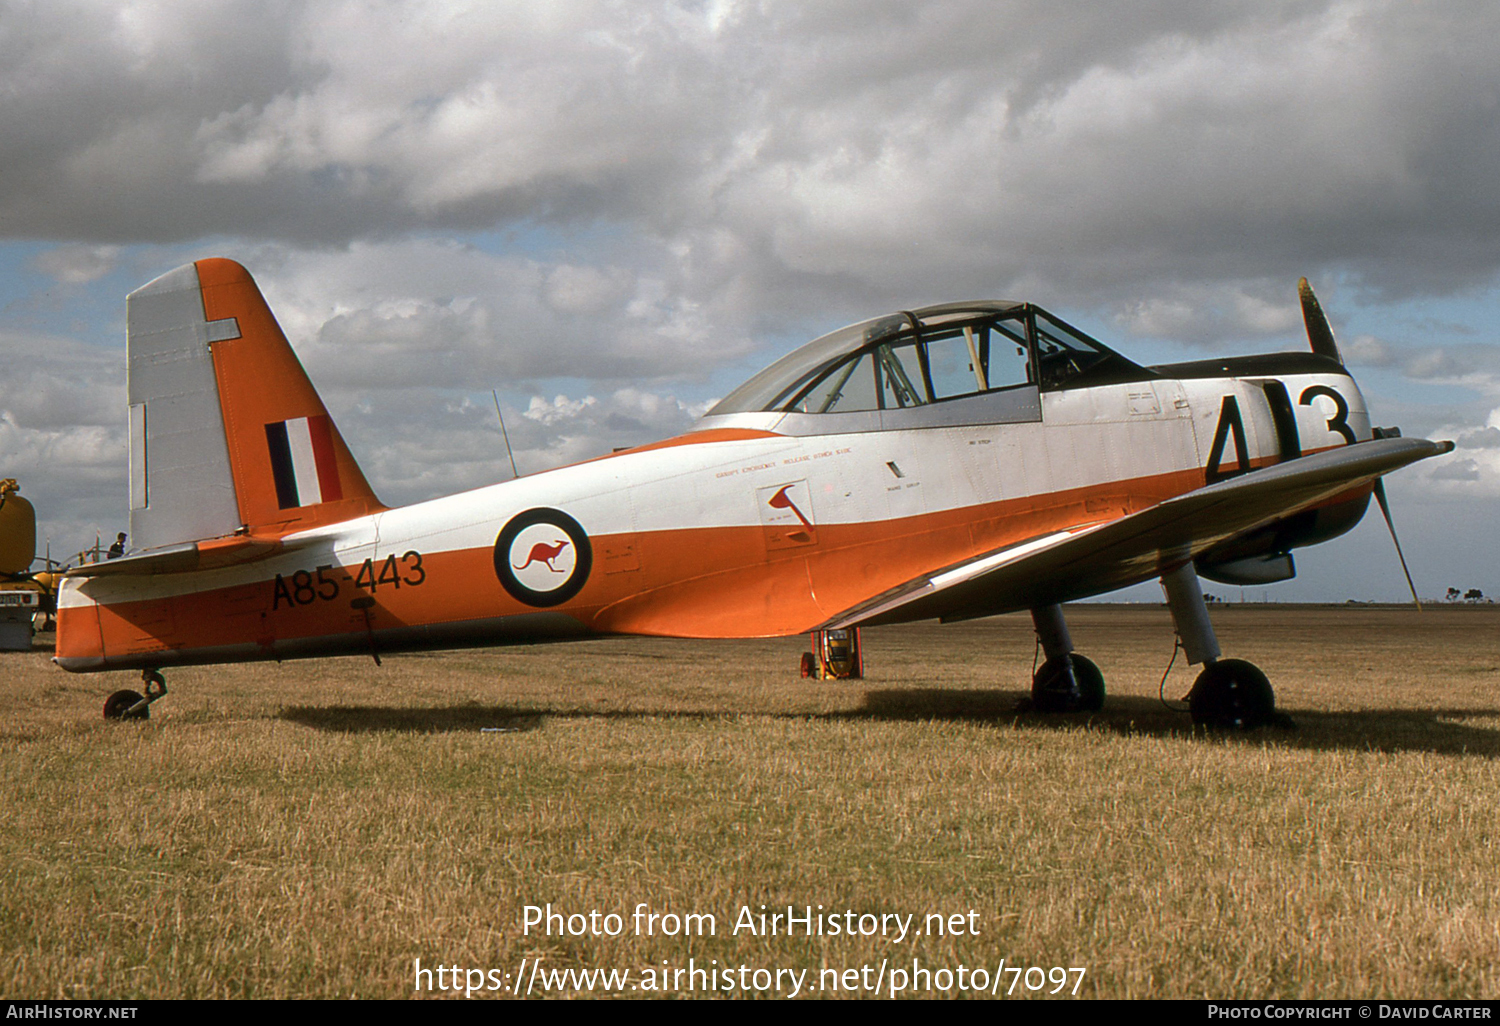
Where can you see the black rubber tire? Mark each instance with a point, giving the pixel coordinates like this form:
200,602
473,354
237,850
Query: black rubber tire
117,704
1232,695
1049,692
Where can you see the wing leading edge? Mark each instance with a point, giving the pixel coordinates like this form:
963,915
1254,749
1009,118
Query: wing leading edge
1094,559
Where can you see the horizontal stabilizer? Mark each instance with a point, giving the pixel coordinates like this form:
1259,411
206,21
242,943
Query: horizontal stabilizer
1103,557
214,554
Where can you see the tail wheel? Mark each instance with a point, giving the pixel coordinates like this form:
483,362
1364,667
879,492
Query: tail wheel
1232,695
118,705
122,704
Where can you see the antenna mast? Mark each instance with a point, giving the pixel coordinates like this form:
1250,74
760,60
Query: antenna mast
505,434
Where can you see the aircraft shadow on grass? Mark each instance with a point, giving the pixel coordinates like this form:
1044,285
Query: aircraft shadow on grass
1436,731
369,719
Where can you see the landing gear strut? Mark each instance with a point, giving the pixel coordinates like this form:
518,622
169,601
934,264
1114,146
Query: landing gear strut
1229,694
1067,682
132,705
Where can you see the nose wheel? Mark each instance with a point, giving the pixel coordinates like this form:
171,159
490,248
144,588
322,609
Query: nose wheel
132,705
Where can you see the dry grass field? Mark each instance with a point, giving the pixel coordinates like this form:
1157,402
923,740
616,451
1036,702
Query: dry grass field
310,829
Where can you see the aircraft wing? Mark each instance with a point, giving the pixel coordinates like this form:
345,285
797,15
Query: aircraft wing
1094,559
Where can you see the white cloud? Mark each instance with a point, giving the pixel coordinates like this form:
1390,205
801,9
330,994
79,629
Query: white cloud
1205,313
1485,438
56,383
1472,471
424,445
62,434
955,147
426,313
1455,470
1474,366
78,264
559,410
565,430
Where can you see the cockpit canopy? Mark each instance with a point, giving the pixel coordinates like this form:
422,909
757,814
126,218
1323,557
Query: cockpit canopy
931,355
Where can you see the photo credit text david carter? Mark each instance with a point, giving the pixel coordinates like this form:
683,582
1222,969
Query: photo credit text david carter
902,973
1353,1010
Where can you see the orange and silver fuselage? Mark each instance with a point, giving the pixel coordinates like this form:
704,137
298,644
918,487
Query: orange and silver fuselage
758,524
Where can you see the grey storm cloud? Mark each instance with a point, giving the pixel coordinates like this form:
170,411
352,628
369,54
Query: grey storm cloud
59,383
443,198
1476,363
455,444
426,313
1456,470
1484,438
936,148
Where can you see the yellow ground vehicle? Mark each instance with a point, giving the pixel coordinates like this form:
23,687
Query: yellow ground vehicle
23,595
836,655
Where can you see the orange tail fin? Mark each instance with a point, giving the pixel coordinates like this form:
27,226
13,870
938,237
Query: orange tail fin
228,435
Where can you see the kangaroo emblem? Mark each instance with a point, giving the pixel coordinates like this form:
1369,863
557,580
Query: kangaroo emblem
541,552
783,501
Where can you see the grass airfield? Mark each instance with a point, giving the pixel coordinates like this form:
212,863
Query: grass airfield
308,829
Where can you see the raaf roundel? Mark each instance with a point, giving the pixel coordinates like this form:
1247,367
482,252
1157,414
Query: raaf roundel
954,461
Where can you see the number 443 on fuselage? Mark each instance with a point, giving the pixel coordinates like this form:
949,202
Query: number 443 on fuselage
954,461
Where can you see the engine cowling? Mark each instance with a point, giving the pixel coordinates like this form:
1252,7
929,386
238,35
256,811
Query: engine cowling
1264,556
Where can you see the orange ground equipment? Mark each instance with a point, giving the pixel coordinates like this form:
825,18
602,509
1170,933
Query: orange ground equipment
836,655
21,598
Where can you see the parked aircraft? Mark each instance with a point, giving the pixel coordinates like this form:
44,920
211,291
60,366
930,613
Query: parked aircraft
953,461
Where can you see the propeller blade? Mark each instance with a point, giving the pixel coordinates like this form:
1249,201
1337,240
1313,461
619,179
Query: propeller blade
1385,508
1318,331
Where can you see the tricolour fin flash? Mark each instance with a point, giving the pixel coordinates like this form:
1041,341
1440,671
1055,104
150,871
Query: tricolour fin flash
227,434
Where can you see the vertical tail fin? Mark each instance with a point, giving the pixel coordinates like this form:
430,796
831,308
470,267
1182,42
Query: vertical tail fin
227,434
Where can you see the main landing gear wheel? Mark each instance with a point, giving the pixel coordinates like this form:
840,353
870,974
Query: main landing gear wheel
1232,694
132,705
1068,683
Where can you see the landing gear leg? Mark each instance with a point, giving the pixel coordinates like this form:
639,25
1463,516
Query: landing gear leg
1067,682
132,705
1230,694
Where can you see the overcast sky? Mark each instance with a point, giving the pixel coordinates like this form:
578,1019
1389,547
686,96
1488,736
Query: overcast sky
613,212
